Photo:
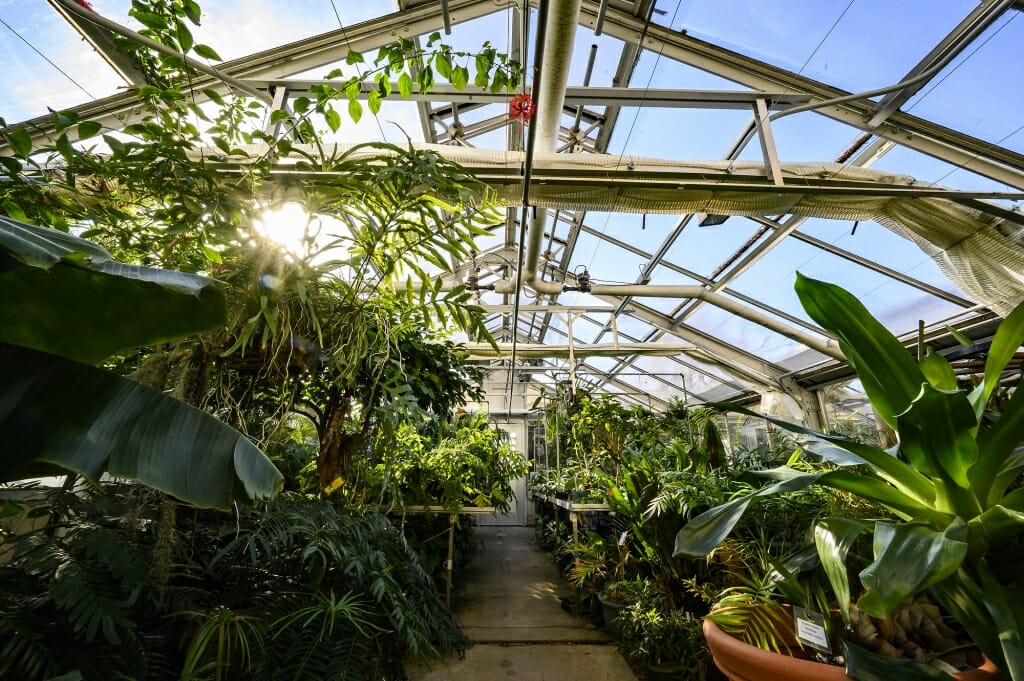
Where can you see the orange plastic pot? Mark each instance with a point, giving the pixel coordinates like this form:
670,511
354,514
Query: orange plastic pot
740,661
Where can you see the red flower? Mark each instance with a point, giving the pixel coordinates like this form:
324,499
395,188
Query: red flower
522,108
85,4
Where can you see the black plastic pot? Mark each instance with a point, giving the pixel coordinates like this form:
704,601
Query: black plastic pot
610,611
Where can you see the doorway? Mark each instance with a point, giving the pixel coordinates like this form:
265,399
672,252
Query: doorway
516,515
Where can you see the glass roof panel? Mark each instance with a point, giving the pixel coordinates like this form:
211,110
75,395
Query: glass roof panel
851,45
46,64
897,304
980,76
663,305
604,261
633,327
743,334
881,245
642,232
805,137
664,275
704,249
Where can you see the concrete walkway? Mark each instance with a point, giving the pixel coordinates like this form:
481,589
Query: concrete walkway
511,609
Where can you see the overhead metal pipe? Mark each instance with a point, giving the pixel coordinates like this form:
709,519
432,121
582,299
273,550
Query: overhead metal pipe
541,350
560,37
724,302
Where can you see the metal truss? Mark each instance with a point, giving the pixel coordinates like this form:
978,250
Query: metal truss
594,114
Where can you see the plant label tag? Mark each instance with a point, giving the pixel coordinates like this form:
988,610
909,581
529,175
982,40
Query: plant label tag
810,629
622,538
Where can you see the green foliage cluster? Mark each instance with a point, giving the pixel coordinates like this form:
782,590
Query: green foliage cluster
120,583
672,638
461,463
955,517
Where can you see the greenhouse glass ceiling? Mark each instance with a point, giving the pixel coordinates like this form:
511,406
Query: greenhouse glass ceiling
687,158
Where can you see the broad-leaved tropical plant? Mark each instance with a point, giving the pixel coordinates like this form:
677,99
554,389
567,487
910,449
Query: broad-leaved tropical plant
950,484
66,305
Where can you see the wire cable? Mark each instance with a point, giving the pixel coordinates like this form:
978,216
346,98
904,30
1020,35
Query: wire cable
359,71
48,60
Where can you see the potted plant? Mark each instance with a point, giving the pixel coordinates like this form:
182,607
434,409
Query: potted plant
958,519
624,593
669,643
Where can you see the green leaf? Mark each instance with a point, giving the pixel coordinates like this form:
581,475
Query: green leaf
73,675
333,119
355,109
963,340
864,665
443,65
405,86
962,597
373,101
301,104
193,11
937,437
996,448
1006,605
150,20
703,534
335,73
97,422
460,77
63,295
207,52
87,129
909,558
889,374
64,147
62,120
278,115
833,538
938,371
9,509
354,57
184,36
1008,339
20,141
11,165
434,38
890,468
994,529
499,81
870,488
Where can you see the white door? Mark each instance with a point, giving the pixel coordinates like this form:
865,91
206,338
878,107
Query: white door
517,507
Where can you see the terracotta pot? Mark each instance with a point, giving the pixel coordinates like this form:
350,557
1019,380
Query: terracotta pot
743,662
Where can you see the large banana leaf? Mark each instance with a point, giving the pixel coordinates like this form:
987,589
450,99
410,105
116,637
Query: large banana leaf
64,295
77,417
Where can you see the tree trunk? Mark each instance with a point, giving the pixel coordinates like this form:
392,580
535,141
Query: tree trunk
332,462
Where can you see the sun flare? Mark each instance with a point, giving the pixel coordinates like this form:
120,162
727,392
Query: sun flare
288,226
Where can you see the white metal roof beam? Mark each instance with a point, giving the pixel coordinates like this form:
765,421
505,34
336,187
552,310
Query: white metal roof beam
998,163
973,25
612,376
743,364
104,42
676,360
280,62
